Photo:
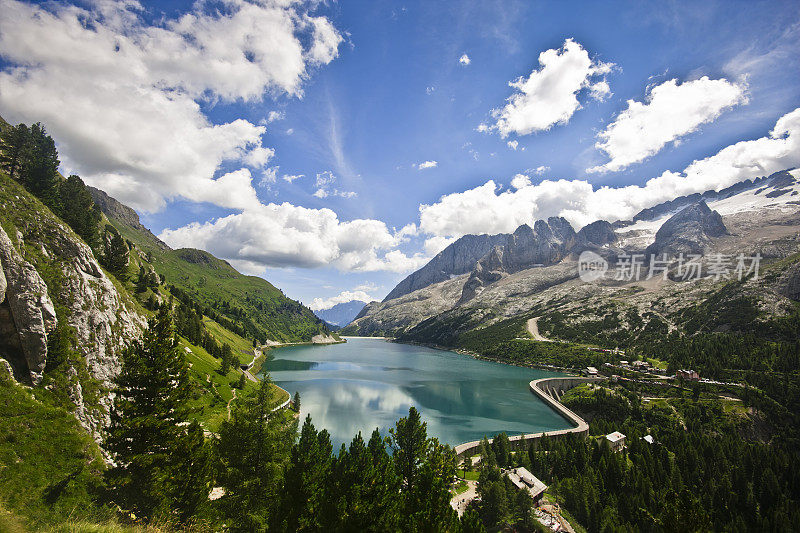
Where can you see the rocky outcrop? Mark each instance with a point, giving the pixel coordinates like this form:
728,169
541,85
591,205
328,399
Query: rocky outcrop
789,283
688,232
48,267
102,321
458,258
29,314
598,233
488,270
547,243
116,210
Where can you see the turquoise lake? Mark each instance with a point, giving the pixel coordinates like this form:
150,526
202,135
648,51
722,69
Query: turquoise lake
369,383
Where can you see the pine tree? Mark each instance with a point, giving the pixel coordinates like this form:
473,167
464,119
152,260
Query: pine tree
253,448
141,281
40,167
427,469
161,466
78,209
116,253
227,360
409,440
362,489
296,401
14,145
306,478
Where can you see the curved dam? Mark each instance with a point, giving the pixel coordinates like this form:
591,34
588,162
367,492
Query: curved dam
549,390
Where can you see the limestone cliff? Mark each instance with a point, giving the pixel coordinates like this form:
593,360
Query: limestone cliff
458,258
52,279
26,311
547,243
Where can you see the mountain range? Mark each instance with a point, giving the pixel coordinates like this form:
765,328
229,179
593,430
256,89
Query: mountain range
341,314
480,280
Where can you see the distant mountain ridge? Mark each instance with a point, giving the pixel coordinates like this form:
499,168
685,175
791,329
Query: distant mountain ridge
463,255
341,314
524,267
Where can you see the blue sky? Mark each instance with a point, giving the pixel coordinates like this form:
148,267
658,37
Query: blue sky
356,96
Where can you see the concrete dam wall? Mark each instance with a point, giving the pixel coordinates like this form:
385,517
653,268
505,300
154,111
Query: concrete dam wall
550,391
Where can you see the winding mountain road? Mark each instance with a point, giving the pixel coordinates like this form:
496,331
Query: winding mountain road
533,329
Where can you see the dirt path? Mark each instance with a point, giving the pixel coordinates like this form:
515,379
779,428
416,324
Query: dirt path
533,329
229,403
460,501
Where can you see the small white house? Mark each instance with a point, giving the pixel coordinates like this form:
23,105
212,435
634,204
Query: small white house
524,480
616,440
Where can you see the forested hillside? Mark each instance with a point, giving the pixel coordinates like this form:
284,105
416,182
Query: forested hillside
248,305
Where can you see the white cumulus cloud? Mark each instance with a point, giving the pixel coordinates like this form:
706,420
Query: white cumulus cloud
285,235
318,304
670,111
123,97
464,60
426,164
549,96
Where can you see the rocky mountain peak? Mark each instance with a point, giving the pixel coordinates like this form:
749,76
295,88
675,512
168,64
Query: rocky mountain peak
688,231
599,233
116,210
458,258
547,243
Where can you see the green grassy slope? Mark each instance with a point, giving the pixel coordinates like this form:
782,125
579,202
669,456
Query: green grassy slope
213,391
48,463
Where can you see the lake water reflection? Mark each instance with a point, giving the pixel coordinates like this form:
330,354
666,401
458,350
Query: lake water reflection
369,383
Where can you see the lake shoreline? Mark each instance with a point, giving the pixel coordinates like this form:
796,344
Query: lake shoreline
475,355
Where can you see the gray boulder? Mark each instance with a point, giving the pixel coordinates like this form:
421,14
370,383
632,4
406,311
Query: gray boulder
28,306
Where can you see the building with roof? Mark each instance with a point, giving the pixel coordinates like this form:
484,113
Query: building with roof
591,371
524,480
688,375
616,440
